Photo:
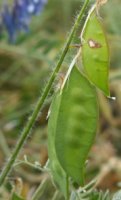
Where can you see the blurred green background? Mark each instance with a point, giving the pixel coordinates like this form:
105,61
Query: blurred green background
24,70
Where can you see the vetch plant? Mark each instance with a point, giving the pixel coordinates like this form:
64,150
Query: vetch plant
95,46
71,109
74,110
42,98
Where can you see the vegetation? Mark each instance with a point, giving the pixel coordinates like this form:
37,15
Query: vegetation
28,66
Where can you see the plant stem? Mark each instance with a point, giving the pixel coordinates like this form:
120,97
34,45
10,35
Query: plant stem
56,195
67,187
40,190
3,145
41,100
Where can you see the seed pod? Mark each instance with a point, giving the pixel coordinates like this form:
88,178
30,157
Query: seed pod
75,122
95,52
58,174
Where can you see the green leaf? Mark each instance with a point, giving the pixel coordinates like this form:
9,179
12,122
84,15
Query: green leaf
95,52
16,197
59,175
76,114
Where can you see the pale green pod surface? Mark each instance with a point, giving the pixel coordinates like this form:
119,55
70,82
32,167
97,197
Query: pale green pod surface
58,174
95,52
76,124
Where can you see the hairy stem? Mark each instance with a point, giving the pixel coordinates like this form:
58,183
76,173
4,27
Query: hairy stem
41,100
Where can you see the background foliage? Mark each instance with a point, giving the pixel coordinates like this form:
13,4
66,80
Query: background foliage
24,70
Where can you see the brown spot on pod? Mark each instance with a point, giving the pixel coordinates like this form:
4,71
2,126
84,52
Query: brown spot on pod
94,44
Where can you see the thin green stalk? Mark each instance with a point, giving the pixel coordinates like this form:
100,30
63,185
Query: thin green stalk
3,145
67,188
40,190
56,195
41,100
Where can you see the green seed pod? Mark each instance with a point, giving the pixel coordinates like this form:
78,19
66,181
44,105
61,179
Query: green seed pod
75,122
95,52
58,174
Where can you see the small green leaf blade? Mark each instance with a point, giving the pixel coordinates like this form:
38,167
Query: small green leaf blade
95,52
76,124
58,174
16,197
